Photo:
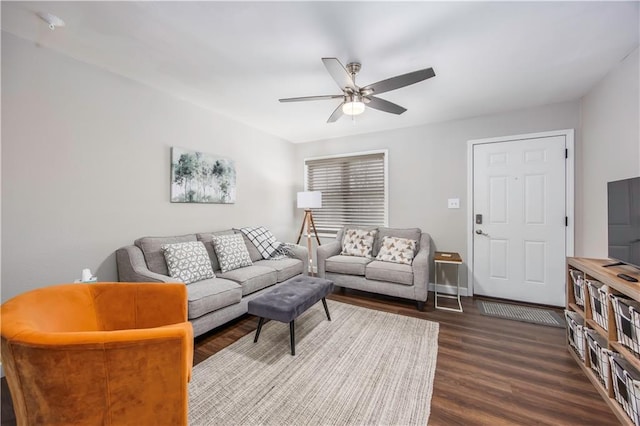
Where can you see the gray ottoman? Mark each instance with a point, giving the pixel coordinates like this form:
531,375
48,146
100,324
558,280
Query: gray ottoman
289,300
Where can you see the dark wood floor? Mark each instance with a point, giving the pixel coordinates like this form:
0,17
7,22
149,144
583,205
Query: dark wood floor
489,371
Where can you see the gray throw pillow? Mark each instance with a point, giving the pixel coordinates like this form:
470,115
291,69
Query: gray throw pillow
188,262
231,251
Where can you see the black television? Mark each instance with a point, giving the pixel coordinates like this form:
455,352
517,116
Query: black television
624,221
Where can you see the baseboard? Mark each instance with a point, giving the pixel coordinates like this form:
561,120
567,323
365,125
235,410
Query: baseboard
448,289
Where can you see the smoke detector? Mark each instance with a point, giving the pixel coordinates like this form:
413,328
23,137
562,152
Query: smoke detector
52,20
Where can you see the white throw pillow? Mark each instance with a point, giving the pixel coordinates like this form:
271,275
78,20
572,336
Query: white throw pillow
358,242
397,250
188,262
231,251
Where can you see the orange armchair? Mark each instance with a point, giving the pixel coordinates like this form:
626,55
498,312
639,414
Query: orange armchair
98,354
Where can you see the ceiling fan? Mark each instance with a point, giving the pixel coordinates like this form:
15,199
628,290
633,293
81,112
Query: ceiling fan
355,98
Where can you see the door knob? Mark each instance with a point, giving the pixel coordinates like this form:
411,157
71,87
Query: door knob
481,232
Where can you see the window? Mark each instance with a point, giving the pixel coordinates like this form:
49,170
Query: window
354,190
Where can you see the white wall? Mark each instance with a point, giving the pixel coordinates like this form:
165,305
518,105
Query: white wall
85,165
85,168
610,150
428,165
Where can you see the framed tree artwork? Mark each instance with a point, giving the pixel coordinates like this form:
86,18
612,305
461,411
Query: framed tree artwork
197,177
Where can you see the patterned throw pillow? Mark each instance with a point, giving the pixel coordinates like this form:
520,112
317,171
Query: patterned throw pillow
358,242
231,251
397,250
188,262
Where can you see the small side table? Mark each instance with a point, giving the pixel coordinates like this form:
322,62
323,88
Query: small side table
451,258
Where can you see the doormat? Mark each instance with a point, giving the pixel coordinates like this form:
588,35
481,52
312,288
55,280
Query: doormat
521,313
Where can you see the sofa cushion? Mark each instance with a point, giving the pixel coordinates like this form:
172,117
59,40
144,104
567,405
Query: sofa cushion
153,255
350,265
390,272
210,295
207,239
397,250
231,252
252,278
188,262
408,233
358,242
285,268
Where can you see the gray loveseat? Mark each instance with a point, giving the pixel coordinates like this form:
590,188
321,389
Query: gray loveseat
211,302
369,274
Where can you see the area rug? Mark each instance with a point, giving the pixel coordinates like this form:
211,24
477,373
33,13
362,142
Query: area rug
364,367
521,313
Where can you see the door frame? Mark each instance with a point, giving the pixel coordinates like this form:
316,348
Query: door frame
569,190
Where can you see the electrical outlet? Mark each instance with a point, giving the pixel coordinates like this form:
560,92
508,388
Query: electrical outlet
454,203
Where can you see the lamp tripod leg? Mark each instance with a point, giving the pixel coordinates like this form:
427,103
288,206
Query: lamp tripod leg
313,225
304,220
309,245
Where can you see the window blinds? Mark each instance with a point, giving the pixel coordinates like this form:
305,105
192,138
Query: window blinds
353,191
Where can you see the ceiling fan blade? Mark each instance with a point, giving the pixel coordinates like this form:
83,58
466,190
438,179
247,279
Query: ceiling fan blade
311,98
339,73
386,106
336,114
398,81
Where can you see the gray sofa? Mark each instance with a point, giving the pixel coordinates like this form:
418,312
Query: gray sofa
211,302
369,274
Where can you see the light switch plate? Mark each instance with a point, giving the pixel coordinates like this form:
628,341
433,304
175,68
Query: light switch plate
454,203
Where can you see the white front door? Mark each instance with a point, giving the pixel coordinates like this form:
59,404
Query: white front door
519,214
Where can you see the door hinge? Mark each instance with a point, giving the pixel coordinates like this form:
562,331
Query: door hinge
566,153
566,221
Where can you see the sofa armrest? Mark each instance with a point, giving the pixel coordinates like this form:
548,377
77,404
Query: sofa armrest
324,252
301,253
133,268
420,266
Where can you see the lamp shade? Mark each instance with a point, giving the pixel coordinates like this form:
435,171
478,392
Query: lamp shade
310,200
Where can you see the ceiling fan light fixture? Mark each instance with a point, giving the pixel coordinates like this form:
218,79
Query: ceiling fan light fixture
353,106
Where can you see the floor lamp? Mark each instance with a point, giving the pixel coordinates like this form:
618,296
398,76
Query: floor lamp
308,200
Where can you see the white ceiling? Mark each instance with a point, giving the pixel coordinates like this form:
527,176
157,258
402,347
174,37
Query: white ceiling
239,58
